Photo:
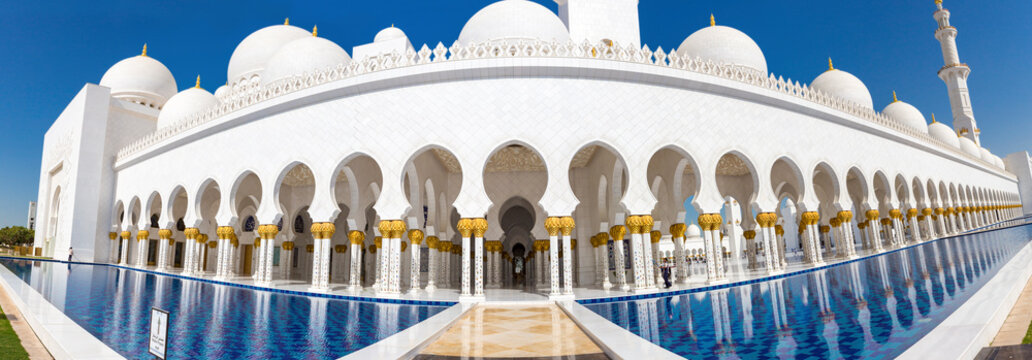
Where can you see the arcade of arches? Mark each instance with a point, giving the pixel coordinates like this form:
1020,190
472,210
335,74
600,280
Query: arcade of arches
768,216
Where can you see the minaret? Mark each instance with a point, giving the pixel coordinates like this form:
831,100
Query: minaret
955,74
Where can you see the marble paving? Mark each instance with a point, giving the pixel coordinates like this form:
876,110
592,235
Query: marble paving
525,331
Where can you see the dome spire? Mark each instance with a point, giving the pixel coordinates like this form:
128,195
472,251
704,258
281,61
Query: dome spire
894,98
831,66
315,30
144,53
286,21
198,84
712,20
933,118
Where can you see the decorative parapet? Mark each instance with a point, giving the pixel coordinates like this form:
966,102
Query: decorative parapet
251,93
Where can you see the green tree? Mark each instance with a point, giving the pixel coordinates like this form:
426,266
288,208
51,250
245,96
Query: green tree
16,235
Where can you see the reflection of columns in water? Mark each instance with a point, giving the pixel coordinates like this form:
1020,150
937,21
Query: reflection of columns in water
317,313
648,322
890,298
745,296
777,302
722,320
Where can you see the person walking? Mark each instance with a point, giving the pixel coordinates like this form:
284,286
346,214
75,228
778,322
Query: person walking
70,253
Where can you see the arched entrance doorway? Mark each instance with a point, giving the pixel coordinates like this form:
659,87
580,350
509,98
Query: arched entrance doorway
517,221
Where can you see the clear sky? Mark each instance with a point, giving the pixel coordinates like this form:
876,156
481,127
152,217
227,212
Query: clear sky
50,49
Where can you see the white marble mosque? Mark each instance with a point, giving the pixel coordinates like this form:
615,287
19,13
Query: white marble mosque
539,152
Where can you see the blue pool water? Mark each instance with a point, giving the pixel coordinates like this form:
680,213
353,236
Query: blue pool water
872,308
212,321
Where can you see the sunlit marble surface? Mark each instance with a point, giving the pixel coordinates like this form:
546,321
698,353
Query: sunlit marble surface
521,331
63,337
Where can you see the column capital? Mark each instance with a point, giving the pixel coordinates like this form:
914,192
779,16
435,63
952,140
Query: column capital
911,212
432,241
824,228
710,222
323,230
553,224
126,234
766,219
617,232
845,216
378,242
479,227
340,249
677,230
811,217
895,214
835,222
142,235
288,245
356,237
749,234
779,230
165,234
112,235
465,227
223,232
415,236
566,225
646,223
191,233
655,236
267,231
603,238
872,214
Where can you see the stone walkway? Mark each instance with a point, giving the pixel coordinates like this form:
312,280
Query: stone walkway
513,331
28,338
1016,325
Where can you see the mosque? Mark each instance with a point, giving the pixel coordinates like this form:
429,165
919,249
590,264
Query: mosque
538,152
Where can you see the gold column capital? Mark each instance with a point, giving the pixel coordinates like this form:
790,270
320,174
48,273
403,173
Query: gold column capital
655,236
749,234
142,235
191,233
356,237
432,241
566,225
766,219
912,212
677,230
126,235
224,232
872,214
617,232
845,216
165,234
267,231
112,235
479,227
415,236
465,227
553,224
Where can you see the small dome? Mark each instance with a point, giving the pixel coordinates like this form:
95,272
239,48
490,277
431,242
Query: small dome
184,104
969,147
724,45
390,33
987,155
221,92
514,19
254,52
140,79
999,162
907,115
844,85
943,133
306,55
693,231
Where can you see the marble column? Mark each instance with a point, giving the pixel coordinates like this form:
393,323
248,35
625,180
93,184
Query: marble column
432,243
357,240
267,234
163,246
710,224
873,231
915,225
188,249
142,239
617,232
123,254
766,221
845,218
479,229
416,241
566,225
465,227
657,274
680,257
553,225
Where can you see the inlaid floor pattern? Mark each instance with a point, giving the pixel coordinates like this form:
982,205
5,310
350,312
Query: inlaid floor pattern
496,331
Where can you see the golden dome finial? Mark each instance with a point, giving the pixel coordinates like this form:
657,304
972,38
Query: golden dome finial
315,30
198,84
712,20
144,53
286,21
894,98
933,118
831,66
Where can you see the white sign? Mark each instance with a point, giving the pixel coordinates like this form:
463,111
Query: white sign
158,332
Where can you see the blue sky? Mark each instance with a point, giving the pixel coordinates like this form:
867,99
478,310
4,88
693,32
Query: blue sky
51,49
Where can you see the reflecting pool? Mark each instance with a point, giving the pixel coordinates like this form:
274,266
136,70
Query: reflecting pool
212,321
873,308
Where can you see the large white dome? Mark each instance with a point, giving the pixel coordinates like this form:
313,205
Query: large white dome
390,33
969,147
254,52
140,79
725,45
305,55
844,85
514,19
693,231
943,133
987,156
184,104
907,115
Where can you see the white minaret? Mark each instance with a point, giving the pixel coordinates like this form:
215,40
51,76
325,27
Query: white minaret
955,74
601,20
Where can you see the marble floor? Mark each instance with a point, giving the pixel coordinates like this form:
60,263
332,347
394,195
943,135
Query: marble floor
524,331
